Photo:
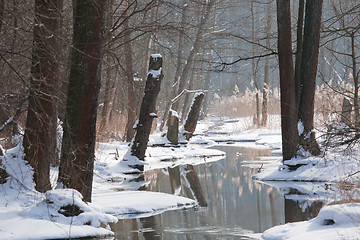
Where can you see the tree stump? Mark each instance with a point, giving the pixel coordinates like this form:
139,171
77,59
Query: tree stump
173,127
193,117
147,114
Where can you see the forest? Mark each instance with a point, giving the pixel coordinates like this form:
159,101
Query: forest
140,75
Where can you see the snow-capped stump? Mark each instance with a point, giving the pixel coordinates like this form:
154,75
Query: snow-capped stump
147,114
173,127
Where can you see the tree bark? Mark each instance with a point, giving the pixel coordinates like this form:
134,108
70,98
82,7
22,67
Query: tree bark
264,113
308,70
147,112
78,148
356,83
299,45
131,95
173,127
40,130
254,68
2,8
290,136
193,117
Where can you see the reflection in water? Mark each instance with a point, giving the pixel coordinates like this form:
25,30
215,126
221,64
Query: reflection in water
231,204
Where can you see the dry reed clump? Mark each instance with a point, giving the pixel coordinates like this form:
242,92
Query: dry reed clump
244,104
328,103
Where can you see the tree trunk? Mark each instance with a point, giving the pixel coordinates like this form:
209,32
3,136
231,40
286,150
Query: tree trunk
356,83
299,42
287,82
173,127
193,117
187,100
254,68
194,50
147,113
2,8
264,114
131,96
308,69
109,95
179,64
40,135
77,158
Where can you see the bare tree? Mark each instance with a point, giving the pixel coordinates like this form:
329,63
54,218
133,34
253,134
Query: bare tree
77,156
289,131
308,70
40,131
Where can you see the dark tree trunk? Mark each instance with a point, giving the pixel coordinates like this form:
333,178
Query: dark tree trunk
299,42
308,70
193,117
40,135
77,158
147,111
173,127
290,136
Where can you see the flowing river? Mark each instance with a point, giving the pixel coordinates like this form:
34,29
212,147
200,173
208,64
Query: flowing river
231,204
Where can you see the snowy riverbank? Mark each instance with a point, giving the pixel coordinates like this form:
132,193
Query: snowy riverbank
23,209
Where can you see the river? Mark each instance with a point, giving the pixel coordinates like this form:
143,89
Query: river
231,204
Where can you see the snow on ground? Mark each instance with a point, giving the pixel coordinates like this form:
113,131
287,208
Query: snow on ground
23,209
21,205
332,223
332,178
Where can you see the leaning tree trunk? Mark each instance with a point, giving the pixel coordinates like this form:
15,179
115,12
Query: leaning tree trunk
193,117
40,135
289,131
194,50
308,69
138,146
131,96
78,148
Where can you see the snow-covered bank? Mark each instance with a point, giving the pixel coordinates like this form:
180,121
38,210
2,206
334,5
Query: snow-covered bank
333,222
23,209
332,179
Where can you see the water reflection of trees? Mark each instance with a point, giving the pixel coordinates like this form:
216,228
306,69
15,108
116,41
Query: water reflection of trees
231,199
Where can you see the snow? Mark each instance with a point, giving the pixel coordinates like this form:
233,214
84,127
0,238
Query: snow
155,73
333,222
115,195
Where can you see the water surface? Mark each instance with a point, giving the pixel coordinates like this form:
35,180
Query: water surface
231,204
